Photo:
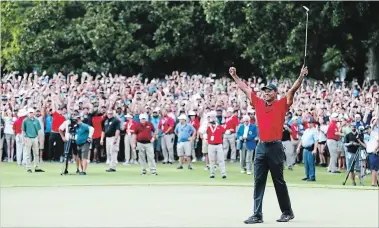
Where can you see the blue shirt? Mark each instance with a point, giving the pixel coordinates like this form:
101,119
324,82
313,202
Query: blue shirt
82,133
49,122
136,118
155,122
184,131
310,137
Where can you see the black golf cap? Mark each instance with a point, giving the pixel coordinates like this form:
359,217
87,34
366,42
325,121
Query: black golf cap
270,87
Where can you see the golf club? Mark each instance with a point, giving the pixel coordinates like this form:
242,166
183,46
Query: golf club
306,35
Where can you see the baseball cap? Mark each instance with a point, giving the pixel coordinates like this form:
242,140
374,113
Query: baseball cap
142,116
270,87
182,117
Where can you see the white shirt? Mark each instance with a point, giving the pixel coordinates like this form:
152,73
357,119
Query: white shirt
246,130
40,119
203,129
373,142
8,125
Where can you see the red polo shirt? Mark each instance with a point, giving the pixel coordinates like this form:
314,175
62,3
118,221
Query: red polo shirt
195,123
165,123
214,134
144,132
130,126
295,131
231,123
332,129
270,118
57,121
17,125
97,125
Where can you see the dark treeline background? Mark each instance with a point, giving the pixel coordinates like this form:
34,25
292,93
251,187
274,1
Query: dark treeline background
155,38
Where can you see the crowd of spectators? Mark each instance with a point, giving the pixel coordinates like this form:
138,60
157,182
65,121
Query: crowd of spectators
336,107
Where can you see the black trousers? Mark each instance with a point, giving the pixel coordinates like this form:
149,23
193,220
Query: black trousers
270,157
55,151
46,151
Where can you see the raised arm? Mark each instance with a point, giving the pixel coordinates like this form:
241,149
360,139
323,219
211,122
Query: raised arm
241,85
296,85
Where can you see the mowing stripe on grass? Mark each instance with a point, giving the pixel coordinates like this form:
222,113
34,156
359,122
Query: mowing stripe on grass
200,184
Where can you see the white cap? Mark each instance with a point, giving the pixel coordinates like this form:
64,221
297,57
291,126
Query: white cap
182,117
21,113
129,115
157,109
230,109
246,118
143,116
334,115
357,116
212,114
295,118
191,113
31,110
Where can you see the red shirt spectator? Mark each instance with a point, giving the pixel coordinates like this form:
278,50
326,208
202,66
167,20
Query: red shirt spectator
231,123
97,125
57,121
195,123
270,118
144,132
17,125
165,123
214,134
332,129
295,131
130,126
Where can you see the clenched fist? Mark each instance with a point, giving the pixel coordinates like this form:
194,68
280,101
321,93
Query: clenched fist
233,72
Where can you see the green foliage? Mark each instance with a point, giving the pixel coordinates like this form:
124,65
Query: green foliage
266,38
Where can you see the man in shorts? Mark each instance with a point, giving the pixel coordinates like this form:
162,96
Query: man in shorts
83,136
186,134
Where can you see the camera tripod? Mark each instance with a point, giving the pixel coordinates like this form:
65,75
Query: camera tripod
66,155
359,156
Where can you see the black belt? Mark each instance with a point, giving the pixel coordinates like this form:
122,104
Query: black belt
271,142
215,144
31,137
144,142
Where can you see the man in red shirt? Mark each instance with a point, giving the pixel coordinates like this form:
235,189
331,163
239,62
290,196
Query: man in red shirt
129,127
17,128
231,124
333,136
295,132
194,121
167,125
97,122
143,140
55,140
269,154
215,150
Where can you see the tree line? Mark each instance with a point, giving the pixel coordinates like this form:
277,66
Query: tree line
261,38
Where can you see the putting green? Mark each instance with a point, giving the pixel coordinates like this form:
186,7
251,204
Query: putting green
16,176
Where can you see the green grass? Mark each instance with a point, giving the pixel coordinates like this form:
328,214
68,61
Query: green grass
15,176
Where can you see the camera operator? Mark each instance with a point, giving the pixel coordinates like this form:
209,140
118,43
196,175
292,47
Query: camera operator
352,144
67,131
83,138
